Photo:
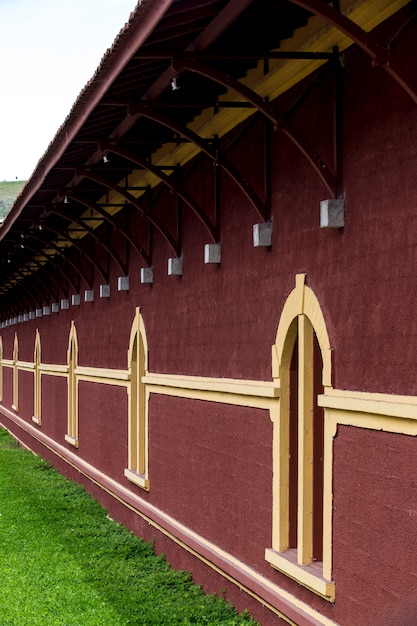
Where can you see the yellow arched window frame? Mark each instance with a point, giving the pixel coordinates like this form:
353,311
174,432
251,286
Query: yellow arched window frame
137,470
72,362
37,380
15,403
302,446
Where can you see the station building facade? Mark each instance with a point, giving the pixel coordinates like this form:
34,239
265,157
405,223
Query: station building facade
207,301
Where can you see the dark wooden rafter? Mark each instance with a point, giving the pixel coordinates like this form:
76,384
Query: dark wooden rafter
22,292
21,276
266,109
85,228
41,266
206,148
9,306
379,53
75,243
169,181
37,277
61,252
146,256
191,37
87,173
52,259
208,36
74,265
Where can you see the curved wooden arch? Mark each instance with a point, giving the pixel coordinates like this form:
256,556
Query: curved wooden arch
50,259
60,251
28,293
70,218
203,145
56,282
106,216
302,301
368,43
76,245
38,278
166,180
267,110
134,202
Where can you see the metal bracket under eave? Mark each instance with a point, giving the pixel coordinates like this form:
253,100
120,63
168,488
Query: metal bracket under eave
266,109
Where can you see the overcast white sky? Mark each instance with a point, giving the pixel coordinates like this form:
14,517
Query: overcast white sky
49,49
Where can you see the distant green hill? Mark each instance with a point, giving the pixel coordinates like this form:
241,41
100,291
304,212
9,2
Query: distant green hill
9,190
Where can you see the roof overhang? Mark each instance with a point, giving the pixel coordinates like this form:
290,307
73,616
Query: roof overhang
231,59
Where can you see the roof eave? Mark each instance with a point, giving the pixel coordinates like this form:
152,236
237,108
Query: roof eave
142,22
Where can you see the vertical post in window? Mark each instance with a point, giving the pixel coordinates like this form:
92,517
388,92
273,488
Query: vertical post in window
134,434
303,445
281,468
305,435
37,381
137,470
281,486
72,358
15,373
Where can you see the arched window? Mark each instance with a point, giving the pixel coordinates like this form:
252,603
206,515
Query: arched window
72,361
137,470
15,404
37,380
301,541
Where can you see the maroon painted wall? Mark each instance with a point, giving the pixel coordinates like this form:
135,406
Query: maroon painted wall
211,464
375,503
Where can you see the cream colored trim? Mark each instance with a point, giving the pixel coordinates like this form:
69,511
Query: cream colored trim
401,426
15,403
137,479
138,405
25,366
329,433
300,316
231,568
37,380
377,404
213,396
219,385
305,441
73,441
214,391
72,361
53,369
7,362
101,375
305,575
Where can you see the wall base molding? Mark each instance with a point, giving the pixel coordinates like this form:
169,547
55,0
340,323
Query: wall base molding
279,601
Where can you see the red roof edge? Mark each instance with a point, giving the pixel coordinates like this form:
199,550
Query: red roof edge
142,22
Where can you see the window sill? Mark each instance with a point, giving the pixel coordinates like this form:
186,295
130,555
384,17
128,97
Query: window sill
307,575
72,441
138,479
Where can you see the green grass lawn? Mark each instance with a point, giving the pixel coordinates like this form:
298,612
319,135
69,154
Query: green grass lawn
64,563
9,190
